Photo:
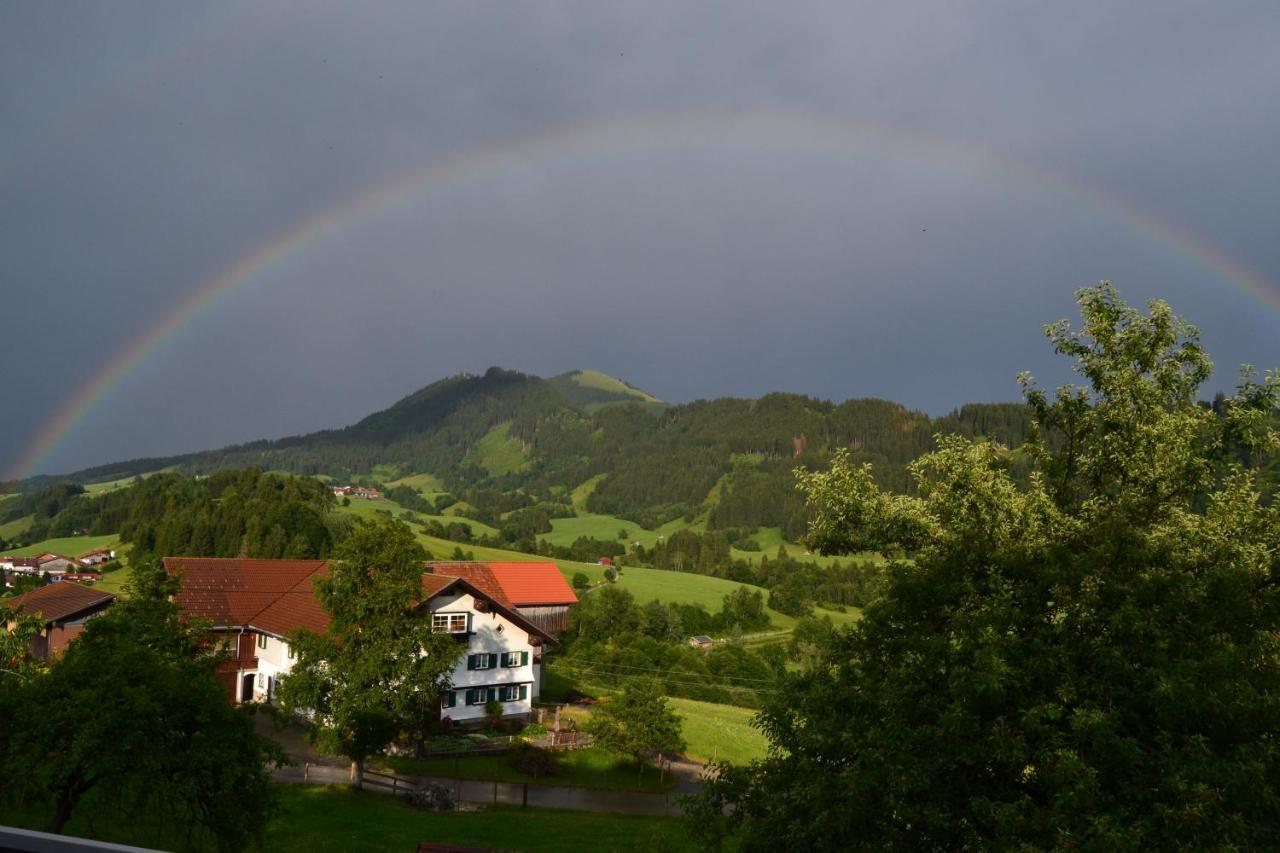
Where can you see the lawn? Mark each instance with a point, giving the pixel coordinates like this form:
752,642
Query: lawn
69,546
719,731
320,819
583,768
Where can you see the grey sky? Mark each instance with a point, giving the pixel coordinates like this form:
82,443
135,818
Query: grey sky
146,147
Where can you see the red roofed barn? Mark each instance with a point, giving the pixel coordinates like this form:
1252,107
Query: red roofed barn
538,591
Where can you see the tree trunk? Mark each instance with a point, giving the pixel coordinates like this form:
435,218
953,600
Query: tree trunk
62,813
359,766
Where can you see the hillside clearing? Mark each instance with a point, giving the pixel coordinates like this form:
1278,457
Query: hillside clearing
69,546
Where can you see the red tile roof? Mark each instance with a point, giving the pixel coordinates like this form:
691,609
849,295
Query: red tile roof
518,584
476,574
274,595
59,600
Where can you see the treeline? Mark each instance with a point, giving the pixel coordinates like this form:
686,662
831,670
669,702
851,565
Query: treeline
611,639
227,514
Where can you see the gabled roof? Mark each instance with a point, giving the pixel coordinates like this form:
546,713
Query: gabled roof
57,601
274,595
514,584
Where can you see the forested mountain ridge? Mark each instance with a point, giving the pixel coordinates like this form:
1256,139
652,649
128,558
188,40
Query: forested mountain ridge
535,440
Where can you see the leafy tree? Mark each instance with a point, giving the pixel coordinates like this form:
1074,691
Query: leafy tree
379,670
1085,662
610,575
607,612
637,722
134,712
580,580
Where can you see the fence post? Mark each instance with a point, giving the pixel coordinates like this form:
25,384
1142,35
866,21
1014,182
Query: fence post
524,802
306,771
495,793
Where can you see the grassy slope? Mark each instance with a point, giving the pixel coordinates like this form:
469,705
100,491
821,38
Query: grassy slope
497,452
69,546
584,768
604,382
366,509
16,528
719,731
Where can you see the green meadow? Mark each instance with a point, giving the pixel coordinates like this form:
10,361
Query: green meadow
722,732
69,546
497,452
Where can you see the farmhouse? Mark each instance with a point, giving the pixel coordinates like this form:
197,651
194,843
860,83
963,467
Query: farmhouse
96,557
537,591
20,565
65,608
256,604
57,564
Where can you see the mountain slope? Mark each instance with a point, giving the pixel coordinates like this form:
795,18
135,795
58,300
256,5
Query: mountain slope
507,441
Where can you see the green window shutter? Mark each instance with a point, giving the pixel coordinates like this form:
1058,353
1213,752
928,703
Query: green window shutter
524,689
493,693
471,661
524,661
448,699
493,660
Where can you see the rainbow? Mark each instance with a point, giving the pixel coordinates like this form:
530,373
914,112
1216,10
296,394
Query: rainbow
622,130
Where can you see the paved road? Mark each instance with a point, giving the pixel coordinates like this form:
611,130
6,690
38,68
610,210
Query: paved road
509,793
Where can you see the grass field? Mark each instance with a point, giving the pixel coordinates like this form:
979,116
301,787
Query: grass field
15,528
428,485
604,382
719,731
320,819
583,768
115,581
497,452
70,546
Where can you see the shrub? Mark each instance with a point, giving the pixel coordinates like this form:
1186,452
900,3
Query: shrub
493,711
580,580
610,575
534,760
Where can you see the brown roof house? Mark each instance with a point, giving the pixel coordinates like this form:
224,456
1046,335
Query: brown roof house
537,591
65,608
256,604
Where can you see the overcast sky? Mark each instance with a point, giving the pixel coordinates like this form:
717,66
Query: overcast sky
844,199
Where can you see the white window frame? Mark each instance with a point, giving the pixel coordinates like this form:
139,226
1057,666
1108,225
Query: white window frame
262,641
482,661
511,659
443,623
509,693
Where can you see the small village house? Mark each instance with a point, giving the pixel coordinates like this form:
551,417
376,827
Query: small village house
65,608
701,641
96,557
57,564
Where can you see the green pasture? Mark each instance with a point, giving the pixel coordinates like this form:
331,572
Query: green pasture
69,546
722,732
15,528
497,452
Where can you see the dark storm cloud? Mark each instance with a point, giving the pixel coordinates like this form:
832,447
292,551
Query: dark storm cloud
148,146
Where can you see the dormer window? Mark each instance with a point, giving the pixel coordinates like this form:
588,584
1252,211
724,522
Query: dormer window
449,623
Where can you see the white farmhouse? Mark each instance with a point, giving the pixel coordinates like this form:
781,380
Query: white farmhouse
256,604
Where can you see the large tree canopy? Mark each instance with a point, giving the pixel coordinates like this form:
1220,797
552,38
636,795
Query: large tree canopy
1088,659
134,719
379,669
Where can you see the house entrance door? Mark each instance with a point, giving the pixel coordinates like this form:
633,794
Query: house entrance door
246,688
